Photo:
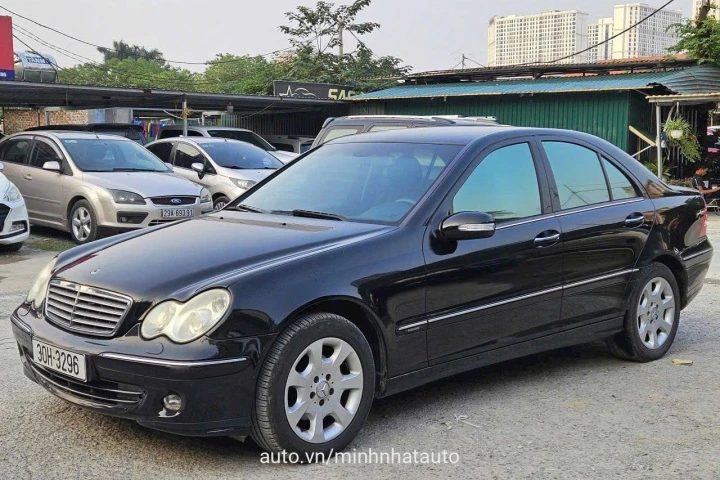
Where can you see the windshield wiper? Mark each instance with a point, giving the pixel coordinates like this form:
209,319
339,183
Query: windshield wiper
134,170
235,167
322,215
249,208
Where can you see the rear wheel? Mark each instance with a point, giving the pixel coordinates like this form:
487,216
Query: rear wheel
83,223
220,202
315,387
652,318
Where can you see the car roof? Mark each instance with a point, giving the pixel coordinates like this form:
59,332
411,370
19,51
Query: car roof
85,126
205,128
452,135
74,135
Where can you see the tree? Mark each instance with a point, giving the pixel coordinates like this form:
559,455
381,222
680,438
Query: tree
325,24
700,37
130,73
122,50
232,74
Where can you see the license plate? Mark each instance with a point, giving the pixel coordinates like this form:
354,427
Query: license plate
59,360
177,212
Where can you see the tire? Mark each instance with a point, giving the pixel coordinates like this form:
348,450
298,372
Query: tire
222,200
274,397
13,247
83,223
652,342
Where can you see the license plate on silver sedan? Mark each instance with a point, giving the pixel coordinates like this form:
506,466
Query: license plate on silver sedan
177,212
59,360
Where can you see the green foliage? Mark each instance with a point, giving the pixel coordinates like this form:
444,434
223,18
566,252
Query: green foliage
121,51
688,142
699,38
232,74
130,73
652,166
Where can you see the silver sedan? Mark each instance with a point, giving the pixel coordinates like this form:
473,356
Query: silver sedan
90,184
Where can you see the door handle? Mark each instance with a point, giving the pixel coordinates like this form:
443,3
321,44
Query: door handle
635,220
27,176
547,239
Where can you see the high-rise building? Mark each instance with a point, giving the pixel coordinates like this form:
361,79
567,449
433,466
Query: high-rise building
598,34
650,38
715,12
539,38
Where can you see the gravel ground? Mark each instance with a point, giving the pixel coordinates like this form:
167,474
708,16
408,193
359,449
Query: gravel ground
572,413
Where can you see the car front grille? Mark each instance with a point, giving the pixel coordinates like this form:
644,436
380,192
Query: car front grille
174,201
4,212
85,309
106,393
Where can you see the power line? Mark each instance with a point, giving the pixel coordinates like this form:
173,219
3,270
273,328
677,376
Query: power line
604,41
179,62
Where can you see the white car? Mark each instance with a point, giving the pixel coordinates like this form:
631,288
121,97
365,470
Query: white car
14,223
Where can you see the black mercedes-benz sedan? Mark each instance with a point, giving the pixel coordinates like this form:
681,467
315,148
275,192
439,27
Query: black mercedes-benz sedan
371,265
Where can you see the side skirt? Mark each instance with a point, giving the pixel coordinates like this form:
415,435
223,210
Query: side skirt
585,334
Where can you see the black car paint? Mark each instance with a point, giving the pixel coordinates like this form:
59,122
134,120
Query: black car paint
414,296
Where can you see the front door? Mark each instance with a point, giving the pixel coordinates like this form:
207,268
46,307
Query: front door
605,222
44,190
185,156
13,155
489,293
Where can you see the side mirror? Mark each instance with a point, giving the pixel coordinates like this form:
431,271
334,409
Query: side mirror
199,169
52,166
467,226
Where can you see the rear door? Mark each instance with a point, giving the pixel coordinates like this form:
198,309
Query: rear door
44,190
489,293
605,222
13,155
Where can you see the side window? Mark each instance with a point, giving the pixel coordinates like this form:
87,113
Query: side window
337,132
15,151
504,184
162,151
43,152
284,147
193,133
186,155
620,186
578,174
385,127
169,133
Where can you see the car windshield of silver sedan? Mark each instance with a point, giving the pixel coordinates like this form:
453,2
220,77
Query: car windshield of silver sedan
240,156
98,155
362,182
249,137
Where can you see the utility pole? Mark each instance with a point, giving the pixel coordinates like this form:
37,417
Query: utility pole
463,61
341,50
185,116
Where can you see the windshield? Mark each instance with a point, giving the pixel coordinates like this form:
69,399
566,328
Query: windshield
97,155
364,182
243,136
239,155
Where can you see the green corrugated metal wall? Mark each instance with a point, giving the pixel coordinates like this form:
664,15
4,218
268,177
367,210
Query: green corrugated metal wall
605,114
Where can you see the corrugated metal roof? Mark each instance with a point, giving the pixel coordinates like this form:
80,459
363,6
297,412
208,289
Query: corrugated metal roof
691,80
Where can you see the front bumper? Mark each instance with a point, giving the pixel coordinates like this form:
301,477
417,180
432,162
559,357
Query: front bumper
129,377
16,217
124,217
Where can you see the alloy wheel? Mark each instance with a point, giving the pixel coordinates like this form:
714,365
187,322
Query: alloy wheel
81,224
323,390
220,205
655,313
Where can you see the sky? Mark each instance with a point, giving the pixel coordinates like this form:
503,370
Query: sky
425,34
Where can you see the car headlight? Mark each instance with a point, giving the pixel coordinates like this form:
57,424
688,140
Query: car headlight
244,184
121,196
37,292
205,196
12,194
185,322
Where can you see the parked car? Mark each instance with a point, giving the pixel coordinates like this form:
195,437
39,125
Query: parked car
90,184
231,133
127,130
227,168
336,127
375,264
290,143
14,223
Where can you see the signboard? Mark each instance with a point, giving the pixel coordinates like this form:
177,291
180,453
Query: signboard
7,63
322,91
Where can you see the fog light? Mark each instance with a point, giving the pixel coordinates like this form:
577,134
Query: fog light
172,402
123,219
17,226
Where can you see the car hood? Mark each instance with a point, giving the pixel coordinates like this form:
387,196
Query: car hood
4,184
248,174
147,184
176,260
285,157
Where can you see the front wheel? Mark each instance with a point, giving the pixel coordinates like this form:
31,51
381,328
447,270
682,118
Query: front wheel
83,223
315,388
652,317
220,202
13,247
